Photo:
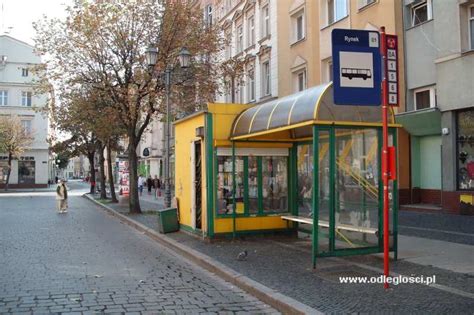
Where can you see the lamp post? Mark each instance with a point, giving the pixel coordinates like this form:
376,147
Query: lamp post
184,58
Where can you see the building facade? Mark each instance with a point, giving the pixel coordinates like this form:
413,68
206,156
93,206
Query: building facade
17,99
439,39
151,150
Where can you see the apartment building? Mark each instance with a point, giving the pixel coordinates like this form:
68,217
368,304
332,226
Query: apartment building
439,41
17,99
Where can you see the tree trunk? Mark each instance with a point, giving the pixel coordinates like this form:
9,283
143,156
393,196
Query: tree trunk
9,170
134,201
103,191
110,174
90,156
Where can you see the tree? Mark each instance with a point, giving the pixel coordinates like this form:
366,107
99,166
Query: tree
232,73
14,140
101,45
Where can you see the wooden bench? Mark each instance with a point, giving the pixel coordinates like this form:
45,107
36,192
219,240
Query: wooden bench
325,224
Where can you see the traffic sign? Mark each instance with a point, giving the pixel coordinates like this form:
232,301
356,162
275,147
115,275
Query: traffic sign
391,69
357,74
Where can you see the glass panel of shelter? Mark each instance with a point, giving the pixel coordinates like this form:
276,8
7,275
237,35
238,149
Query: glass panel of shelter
356,188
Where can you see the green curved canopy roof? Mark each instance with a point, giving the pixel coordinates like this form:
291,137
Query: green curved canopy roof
314,105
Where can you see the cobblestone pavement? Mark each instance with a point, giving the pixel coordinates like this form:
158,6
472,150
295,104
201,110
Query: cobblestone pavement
284,264
86,261
439,226
321,289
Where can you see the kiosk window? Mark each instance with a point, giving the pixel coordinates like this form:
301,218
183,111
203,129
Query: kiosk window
225,185
274,184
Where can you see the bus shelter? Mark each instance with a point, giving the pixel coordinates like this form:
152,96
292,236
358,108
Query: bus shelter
298,163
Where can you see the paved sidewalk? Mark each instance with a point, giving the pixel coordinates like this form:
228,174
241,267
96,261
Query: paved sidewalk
284,265
84,262
437,226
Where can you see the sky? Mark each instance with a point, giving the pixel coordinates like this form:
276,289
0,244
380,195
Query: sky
17,16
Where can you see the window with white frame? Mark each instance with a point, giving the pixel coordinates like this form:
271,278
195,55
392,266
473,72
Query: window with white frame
208,15
336,10
251,84
298,22
240,38
26,98
24,72
299,80
421,12
424,98
3,97
228,49
364,3
330,71
266,80
238,91
251,31
26,125
471,26
265,21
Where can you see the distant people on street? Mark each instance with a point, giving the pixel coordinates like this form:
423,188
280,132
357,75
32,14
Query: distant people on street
56,180
141,181
157,186
149,184
61,196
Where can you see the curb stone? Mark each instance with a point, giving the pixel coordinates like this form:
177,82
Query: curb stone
282,303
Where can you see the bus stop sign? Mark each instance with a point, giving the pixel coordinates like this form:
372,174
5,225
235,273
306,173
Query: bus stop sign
357,73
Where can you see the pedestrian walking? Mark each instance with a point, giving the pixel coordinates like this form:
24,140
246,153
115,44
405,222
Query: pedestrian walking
61,196
149,184
156,185
141,181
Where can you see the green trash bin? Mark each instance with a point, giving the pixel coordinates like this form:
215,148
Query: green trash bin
168,220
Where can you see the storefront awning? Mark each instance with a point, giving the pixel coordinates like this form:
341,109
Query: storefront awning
312,106
423,122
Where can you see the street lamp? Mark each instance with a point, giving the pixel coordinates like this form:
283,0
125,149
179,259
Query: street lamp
184,58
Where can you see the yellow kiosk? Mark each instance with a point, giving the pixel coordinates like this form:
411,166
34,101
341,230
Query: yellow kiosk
295,163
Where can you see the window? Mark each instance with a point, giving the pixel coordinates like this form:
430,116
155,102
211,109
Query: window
298,26
3,170
251,85
26,172
228,50
3,97
330,70
26,99
261,184
26,125
225,185
364,3
425,98
240,38
238,91
253,184
420,12
266,87
300,80
471,27
465,150
208,15
337,9
251,31
265,21
24,72
274,184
